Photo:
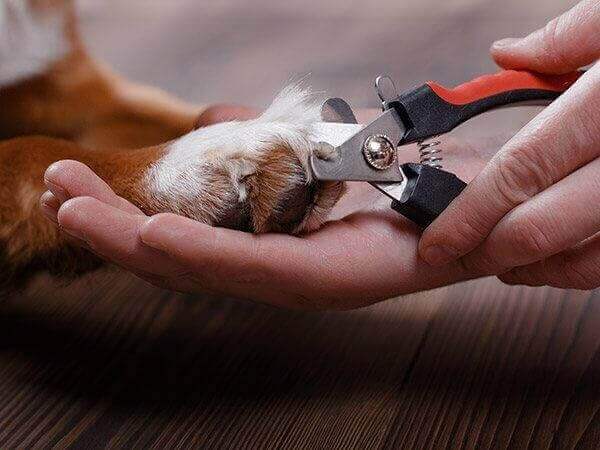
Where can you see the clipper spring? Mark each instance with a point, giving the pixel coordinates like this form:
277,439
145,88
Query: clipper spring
429,153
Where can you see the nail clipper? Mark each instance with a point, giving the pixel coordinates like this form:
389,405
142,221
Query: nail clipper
419,191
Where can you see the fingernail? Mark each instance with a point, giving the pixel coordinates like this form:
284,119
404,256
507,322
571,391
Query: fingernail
438,255
49,205
505,43
58,191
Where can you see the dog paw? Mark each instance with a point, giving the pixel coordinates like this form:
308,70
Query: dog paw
250,175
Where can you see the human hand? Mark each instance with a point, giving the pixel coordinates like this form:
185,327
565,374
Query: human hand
532,215
365,254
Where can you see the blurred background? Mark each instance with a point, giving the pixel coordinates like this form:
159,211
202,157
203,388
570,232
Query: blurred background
244,51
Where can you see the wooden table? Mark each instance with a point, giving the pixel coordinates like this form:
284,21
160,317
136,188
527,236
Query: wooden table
112,362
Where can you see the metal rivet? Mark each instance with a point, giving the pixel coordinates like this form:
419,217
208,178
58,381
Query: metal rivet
379,152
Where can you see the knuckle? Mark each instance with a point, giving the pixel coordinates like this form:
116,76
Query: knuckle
470,265
577,275
462,232
318,298
471,228
178,280
518,276
552,45
71,208
480,264
253,270
325,293
587,132
529,239
160,220
520,174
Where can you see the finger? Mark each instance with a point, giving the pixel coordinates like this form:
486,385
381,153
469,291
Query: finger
578,268
111,233
69,179
49,205
558,141
225,113
555,220
256,267
567,43
234,263
347,264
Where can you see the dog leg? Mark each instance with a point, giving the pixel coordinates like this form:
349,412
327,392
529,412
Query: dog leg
49,85
249,175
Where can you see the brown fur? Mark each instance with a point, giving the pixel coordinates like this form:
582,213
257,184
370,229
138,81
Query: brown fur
80,100
89,114
276,207
29,242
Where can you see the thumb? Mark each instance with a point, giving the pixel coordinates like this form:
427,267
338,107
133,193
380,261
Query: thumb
567,43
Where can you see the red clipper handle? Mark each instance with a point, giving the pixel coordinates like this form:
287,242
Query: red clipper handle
433,109
503,82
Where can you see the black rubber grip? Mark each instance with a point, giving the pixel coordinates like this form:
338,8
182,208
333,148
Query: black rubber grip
428,115
433,109
428,193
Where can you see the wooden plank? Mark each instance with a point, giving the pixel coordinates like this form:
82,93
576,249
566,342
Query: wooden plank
135,367
476,365
500,367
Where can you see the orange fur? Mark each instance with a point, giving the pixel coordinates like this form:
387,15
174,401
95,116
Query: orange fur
117,128
29,242
79,100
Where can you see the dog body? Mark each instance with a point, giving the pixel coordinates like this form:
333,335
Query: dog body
58,103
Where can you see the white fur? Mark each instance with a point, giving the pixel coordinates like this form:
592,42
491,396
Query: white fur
29,42
236,147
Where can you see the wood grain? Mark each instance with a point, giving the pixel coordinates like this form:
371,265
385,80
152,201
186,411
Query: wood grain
111,362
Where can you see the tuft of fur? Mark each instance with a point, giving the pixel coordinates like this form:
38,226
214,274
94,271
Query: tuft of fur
259,167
